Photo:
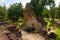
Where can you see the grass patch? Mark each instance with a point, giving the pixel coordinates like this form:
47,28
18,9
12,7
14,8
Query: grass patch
57,28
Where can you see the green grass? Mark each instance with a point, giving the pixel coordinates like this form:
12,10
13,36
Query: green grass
57,28
57,33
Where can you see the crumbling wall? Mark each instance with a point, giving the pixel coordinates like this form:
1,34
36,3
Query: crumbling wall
29,17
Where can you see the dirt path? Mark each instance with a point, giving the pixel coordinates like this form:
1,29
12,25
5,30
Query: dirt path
27,36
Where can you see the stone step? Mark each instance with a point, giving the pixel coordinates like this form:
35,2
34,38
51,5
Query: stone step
3,23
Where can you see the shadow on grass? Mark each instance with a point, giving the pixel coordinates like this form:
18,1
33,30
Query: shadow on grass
58,26
58,38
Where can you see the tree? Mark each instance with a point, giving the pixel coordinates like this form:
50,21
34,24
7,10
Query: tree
15,12
46,13
52,12
58,12
39,5
3,13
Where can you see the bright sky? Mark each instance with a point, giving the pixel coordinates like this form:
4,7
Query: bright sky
8,2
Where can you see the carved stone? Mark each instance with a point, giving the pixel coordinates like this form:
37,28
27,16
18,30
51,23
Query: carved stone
29,17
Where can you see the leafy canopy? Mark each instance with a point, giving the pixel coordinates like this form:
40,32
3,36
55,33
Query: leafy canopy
15,11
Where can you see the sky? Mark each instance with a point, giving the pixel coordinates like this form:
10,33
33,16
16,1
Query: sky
8,2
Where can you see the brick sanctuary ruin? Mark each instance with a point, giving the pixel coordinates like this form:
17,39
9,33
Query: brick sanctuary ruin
30,25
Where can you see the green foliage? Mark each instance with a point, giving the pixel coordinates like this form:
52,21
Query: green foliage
55,12
39,5
51,13
3,13
58,12
46,13
15,12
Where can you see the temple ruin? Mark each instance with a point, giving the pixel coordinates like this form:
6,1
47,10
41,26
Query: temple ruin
30,18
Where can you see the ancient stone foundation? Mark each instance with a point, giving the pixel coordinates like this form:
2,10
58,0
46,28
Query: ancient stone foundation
30,18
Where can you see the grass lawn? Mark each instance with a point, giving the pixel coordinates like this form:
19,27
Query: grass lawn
57,29
58,33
